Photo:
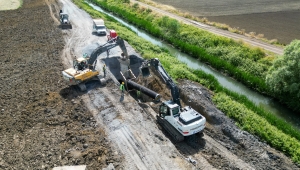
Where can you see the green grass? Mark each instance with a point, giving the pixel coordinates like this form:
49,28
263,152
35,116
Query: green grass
21,3
248,116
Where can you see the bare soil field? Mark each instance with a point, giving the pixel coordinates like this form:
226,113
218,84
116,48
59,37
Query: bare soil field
45,123
282,25
274,19
41,125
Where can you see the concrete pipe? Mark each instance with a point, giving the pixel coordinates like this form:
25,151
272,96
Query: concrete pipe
144,90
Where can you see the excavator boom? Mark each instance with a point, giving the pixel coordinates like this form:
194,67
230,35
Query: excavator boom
166,78
109,45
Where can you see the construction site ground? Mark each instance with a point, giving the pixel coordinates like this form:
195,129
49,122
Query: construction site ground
44,123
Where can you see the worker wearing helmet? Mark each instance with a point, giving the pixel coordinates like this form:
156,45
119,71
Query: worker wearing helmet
122,88
104,70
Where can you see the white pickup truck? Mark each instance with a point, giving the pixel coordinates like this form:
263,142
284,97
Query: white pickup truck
99,26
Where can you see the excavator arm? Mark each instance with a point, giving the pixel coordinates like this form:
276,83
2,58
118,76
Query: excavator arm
109,45
166,78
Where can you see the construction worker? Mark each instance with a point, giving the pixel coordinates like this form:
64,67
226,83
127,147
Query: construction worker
138,94
122,88
104,70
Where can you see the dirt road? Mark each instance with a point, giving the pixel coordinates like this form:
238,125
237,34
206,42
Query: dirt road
45,123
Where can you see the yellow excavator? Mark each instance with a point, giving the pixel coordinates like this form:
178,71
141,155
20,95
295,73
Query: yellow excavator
83,68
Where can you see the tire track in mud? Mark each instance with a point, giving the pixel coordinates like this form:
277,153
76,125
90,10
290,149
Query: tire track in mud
49,4
213,153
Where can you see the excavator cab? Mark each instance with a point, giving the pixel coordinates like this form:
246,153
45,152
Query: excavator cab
80,63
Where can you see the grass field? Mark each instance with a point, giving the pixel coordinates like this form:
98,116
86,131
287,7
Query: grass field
274,19
9,4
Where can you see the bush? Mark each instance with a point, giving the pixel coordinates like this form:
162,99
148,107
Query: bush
283,77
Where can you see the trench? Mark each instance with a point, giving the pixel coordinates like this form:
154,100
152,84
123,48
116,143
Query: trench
260,100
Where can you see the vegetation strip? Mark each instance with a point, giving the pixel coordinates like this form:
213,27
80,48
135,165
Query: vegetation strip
245,117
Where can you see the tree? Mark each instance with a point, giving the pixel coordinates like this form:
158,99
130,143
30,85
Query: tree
283,77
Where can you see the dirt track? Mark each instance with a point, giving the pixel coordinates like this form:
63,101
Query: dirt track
45,123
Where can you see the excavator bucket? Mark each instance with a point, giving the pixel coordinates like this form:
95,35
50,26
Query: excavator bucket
145,71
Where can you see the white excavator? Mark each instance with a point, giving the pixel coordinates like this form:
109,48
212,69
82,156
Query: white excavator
177,121
83,68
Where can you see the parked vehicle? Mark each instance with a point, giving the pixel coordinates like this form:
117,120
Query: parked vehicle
99,27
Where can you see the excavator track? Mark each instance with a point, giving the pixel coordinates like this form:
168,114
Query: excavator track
177,137
82,86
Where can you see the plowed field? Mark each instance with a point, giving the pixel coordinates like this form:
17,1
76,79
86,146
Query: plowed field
274,19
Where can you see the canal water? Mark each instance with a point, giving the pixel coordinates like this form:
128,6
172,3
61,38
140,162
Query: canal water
260,100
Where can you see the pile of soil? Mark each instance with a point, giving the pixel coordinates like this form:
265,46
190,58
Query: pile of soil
43,122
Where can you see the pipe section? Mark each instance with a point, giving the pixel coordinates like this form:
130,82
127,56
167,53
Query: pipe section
148,92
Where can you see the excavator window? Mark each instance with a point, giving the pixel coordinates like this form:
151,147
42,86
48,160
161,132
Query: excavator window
164,111
175,111
168,112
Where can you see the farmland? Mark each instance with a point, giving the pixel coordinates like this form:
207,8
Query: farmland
274,19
